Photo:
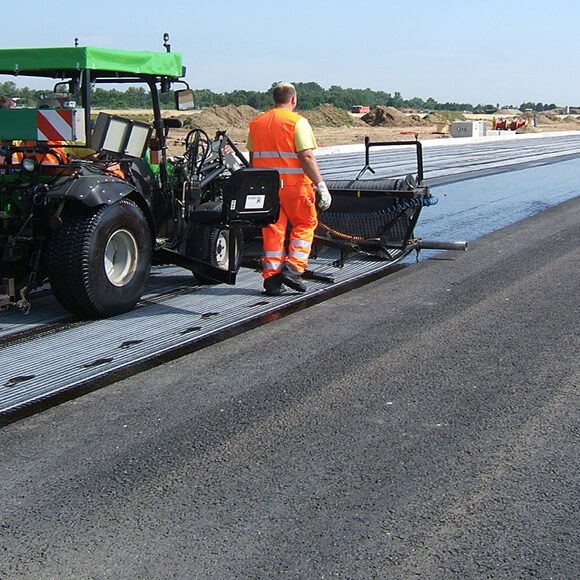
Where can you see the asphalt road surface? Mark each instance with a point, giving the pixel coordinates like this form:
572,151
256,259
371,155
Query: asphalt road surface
422,426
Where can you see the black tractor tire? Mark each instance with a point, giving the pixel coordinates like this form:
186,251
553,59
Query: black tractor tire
99,259
218,251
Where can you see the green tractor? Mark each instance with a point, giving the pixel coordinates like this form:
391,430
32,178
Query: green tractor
88,203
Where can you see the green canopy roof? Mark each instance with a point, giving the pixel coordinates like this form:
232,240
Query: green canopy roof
55,62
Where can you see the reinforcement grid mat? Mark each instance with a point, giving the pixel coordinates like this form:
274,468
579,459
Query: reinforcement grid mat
49,356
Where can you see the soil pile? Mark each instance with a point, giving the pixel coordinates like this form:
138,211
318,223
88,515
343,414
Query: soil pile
553,119
443,117
236,120
330,116
391,117
508,113
527,129
231,117
217,118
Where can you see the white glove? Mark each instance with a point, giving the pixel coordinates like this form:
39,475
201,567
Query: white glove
324,197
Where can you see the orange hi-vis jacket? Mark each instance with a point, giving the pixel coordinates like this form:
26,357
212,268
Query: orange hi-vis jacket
48,158
273,145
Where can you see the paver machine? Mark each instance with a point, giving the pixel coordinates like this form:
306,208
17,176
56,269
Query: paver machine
89,201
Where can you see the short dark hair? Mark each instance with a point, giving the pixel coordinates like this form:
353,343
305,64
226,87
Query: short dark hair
6,102
283,93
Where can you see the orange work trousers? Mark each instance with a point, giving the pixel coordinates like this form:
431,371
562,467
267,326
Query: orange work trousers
297,207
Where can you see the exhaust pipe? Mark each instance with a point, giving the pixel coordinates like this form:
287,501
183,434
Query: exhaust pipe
435,245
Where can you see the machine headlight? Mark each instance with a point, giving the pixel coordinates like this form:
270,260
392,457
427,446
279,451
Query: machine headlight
29,164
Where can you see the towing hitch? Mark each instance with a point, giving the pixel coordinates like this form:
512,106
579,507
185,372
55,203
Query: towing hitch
8,296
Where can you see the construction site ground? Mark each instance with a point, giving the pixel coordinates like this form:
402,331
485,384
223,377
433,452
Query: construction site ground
333,126
424,425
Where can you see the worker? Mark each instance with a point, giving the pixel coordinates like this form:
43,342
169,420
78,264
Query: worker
6,102
282,139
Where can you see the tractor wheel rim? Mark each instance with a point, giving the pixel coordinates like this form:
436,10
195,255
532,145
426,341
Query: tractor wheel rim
221,251
120,258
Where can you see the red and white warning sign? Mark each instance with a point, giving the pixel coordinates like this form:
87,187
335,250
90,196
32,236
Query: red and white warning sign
60,125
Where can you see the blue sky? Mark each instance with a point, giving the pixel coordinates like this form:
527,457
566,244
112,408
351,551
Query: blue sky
472,52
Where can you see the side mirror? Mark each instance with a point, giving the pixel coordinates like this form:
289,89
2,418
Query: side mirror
184,100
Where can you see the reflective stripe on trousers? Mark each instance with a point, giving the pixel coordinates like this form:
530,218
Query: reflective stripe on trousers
273,261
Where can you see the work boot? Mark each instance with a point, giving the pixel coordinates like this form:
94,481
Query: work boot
273,285
293,280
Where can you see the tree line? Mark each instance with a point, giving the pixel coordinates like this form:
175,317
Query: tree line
310,96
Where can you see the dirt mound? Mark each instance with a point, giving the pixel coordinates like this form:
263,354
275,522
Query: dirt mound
434,118
547,118
391,117
508,113
227,117
330,116
527,129
216,118
443,117
233,117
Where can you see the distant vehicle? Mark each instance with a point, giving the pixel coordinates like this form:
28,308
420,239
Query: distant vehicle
360,109
486,110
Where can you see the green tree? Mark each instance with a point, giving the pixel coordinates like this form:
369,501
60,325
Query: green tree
8,89
310,96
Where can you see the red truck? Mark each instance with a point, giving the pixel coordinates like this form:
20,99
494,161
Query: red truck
360,109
